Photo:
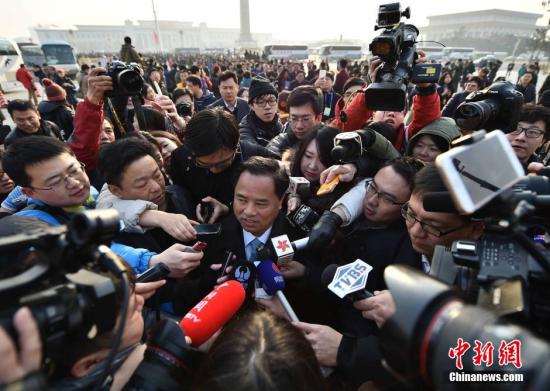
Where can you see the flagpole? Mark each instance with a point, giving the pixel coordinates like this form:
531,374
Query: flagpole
157,26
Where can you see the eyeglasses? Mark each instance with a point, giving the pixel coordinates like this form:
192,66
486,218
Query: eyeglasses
530,132
410,218
74,172
383,197
221,164
304,119
263,102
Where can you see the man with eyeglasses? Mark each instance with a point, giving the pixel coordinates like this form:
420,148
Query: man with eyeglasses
305,112
359,359
379,238
57,186
262,123
208,159
531,133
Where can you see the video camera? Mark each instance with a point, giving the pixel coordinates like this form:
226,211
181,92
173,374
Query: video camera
184,109
495,107
127,79
396,46
506,274
60,273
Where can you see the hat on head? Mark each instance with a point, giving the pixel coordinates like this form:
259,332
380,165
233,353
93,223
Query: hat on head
260,86
54,91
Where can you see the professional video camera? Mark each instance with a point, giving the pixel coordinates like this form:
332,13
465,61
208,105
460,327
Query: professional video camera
496,107
60,274
127,80
506,275
396,46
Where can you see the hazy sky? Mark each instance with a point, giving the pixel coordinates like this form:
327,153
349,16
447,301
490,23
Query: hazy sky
285,19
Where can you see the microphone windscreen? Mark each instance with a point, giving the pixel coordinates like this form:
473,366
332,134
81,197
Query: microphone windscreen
440,201
328,274
269,277
212,312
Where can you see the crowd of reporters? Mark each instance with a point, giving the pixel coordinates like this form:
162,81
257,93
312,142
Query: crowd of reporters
176,157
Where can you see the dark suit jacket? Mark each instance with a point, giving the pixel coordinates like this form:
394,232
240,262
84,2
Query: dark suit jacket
307,304
242,108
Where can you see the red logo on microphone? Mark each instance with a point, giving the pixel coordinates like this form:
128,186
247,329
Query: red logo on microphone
282,245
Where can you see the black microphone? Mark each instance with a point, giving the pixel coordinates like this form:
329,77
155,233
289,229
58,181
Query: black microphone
328,276
439,201
281,249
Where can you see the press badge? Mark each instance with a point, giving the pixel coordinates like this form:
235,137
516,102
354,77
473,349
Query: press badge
326,113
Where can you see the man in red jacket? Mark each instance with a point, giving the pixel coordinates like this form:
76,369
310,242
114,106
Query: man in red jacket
24,77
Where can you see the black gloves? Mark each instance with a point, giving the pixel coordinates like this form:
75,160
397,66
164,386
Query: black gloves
323,232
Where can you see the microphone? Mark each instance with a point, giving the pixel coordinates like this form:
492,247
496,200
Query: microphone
355,288
440,201
272,281
245,273
281,249
212,312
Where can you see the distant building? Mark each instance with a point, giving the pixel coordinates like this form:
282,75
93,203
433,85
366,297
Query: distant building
480,24
174,34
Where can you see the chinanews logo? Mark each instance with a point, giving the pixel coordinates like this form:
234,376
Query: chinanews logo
501,366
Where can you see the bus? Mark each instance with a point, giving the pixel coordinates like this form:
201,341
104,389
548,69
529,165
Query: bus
10,61
455,53
32,54
60,54
286,52
336,52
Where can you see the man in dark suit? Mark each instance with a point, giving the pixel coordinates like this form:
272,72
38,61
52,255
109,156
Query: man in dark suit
256,216
229,87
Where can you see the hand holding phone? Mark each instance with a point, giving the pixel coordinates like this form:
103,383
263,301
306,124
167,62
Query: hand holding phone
158,272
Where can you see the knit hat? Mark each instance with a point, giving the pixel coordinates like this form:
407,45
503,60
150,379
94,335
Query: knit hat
54,91
260,86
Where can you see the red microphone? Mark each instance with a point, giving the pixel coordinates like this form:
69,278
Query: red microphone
212,312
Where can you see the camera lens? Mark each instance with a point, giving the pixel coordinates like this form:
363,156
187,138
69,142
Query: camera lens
473,115
130,80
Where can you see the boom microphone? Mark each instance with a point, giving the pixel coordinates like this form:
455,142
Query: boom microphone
212,312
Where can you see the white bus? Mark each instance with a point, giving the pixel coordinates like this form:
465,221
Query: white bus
61,55
455,53
286,52
32,54
10,61
336,52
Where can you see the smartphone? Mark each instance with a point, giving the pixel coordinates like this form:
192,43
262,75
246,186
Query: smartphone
208,229
329,187
158,272
322,74
227,263
475,174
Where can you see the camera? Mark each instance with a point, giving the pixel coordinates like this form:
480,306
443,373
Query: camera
503,297
429,320
396,46
60,273
127,79
348,147
495,107
184,109
168,362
